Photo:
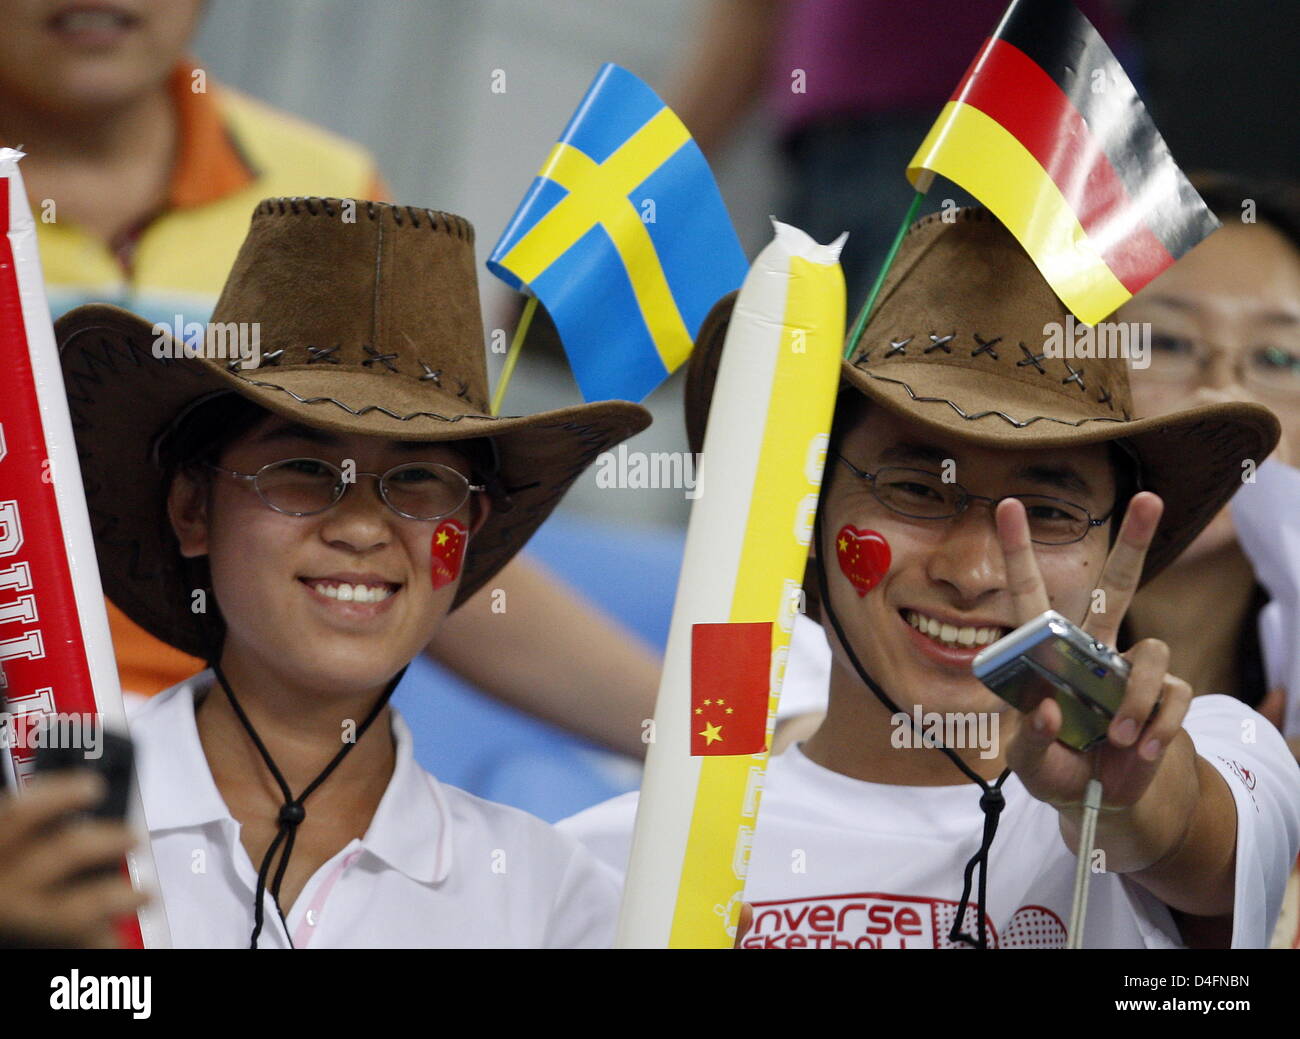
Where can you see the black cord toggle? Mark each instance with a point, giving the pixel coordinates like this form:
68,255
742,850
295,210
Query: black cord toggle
292,812
992,801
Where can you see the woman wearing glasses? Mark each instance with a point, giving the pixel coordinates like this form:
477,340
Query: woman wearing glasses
305,527
1225,325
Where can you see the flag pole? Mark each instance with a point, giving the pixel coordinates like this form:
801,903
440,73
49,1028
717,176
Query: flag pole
516,344
923,185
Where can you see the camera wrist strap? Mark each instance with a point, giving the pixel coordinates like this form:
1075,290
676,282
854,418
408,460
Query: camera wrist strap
1083,867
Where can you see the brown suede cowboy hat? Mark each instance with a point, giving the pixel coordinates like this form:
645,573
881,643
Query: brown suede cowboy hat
957,341
369,323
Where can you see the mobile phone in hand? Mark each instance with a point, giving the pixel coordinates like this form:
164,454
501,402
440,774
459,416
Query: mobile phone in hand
1051,656
114,763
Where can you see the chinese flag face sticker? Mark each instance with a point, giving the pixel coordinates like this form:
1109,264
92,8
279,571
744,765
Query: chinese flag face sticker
731,667
448,552
864,557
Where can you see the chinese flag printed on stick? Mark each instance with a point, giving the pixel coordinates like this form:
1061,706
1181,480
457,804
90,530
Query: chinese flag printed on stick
1047,131
730,684
746,550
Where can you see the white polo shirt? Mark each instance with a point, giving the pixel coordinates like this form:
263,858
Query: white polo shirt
437,867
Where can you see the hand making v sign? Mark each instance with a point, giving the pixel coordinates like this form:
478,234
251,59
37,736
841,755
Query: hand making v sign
1159,801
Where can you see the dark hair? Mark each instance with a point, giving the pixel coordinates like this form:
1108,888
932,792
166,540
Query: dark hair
200,435
1276,201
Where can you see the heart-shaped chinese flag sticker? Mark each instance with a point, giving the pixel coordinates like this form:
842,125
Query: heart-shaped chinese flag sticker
448,552
863,555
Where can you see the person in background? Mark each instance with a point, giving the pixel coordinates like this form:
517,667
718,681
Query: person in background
142,170
853,86
1225,325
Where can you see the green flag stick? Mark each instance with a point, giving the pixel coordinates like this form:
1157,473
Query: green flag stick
861,323
516,344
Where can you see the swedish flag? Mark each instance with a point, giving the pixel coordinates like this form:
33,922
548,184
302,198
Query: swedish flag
625,239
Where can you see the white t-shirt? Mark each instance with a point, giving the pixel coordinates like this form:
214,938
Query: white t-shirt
807,671
839,863
437,867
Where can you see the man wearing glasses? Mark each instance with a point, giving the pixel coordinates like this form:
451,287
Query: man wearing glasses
971,484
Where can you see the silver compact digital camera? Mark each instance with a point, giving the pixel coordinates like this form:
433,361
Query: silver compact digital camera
1050,656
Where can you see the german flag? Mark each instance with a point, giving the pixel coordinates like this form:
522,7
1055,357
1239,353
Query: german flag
1047,131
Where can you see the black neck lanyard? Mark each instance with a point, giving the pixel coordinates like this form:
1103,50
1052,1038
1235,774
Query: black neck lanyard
991,800
292,811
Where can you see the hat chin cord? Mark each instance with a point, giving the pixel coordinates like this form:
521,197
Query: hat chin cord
991,801
292,811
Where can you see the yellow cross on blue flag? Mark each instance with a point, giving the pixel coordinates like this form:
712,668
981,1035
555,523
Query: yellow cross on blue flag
624,238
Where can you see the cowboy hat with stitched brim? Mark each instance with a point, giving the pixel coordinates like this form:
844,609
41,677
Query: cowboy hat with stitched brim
368,323
956,343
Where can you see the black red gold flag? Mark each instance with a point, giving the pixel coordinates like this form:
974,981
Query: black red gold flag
1047,131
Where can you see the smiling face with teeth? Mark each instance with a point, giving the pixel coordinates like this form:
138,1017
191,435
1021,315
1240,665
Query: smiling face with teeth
945,595
336,602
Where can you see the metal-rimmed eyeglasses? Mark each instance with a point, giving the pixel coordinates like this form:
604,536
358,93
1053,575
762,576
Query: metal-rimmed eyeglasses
308,486
920,494
1183,360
